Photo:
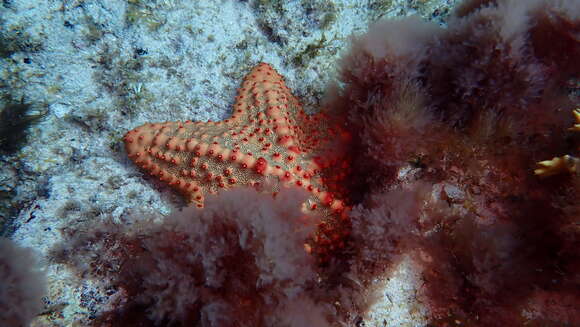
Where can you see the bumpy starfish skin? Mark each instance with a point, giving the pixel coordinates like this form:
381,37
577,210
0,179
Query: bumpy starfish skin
269,141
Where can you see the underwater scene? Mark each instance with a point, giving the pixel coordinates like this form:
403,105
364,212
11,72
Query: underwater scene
297,163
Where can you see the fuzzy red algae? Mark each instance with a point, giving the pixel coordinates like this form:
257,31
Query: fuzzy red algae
444,129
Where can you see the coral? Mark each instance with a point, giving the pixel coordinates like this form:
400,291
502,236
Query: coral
23,285
268,142
564,164
239,261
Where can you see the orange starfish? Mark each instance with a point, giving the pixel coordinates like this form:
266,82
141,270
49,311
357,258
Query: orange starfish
269,141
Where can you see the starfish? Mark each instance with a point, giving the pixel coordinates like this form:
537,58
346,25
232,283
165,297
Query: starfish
267,143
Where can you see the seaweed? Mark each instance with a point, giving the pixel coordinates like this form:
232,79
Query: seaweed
17,41
124,79
139,11
15,120
312,50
